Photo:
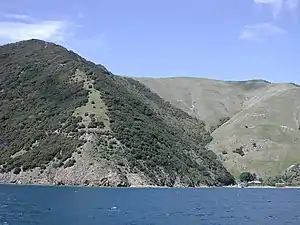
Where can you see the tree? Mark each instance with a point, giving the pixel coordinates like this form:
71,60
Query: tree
246,177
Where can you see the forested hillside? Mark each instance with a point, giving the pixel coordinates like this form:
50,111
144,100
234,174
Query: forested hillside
66,118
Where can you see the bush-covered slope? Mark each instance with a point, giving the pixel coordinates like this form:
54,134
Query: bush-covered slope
143,134
289,177
36,97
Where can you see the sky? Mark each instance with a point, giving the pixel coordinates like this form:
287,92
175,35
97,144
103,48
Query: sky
218,39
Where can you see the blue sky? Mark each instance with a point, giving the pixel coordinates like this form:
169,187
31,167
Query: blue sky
220,39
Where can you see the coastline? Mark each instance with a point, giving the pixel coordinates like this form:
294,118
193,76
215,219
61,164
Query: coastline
264,187
150,186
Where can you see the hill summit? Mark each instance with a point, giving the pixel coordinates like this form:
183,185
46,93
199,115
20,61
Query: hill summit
65,120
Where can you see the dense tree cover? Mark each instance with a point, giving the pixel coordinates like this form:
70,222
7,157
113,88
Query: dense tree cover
38,98
159,138
247,176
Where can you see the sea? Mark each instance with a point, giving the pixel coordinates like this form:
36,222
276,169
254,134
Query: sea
31,205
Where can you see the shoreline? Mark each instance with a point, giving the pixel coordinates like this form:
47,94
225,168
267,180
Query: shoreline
264,187
153,186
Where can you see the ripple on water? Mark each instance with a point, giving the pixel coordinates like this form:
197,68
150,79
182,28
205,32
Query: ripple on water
141,207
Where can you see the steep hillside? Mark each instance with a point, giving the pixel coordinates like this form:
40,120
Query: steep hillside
208,100
266,132
260,133
291,177
65,120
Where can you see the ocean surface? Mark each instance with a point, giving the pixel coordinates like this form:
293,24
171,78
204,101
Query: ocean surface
116,206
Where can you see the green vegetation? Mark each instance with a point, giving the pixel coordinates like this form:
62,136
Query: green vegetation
269,135
39,96
70,163
239,151
247,176
157,136
291,177
37,99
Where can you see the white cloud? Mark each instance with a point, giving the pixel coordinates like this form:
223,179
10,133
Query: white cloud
11,31
17,16
18,27
279,6
260,32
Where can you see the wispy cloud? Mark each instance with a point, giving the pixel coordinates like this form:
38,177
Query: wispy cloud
260,32
17,16
17,27
46,30
279,6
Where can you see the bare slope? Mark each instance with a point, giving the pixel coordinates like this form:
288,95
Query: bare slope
208,100
66,120
266,132
262,135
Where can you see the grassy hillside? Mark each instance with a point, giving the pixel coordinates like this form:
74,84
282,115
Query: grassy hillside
267,131
208,100
60,111
258,121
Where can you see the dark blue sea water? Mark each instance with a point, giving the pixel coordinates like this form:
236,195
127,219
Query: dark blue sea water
115,206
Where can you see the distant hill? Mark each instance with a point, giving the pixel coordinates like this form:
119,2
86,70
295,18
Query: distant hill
255,123
65,120
206,99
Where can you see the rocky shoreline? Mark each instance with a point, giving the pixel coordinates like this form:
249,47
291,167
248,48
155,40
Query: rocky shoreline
18,183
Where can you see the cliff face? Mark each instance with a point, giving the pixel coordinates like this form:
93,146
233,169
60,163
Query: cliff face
64,120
